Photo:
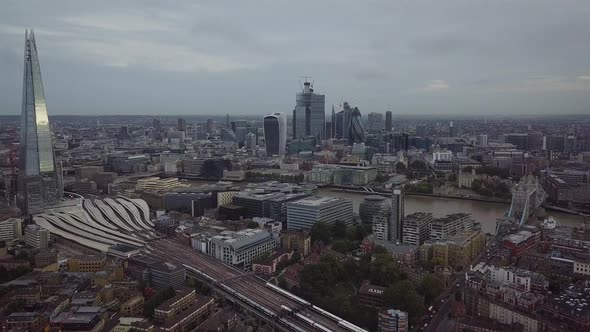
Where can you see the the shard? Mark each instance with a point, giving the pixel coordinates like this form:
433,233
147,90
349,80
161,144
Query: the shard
39,177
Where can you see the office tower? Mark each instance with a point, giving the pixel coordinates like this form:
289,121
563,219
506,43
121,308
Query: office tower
451,224
521,141
374,122
339,126
181,124
376,211
39,176
356,131
452,129
309,115
157,129
388,121
397,213
333,124
209,126
123,133
250,141
392,320
482,140
421,131
227,123
401,141
304,213
275,134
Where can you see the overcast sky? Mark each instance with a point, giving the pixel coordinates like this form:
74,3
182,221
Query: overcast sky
246,57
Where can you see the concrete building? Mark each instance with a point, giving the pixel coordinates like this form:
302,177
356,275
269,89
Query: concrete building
36,236
392,320
354,175
165,274
452,224
299,241
416,228
376,211
11,229
304,213
86,263
240,248
397,213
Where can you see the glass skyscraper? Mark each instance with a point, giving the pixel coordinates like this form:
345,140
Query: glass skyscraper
39,176
275,134
309,115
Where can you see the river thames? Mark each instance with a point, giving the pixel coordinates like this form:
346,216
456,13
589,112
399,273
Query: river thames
484,212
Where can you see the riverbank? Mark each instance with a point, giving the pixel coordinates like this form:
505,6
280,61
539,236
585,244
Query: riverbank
387,194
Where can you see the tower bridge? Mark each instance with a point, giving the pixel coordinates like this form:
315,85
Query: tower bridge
527,197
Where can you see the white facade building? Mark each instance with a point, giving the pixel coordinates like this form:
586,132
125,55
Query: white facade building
37,237
240,248
11,229
304,213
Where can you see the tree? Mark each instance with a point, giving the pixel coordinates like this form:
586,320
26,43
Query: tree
379,250
321,232
400,167
431,287
383,271
403,296
252,224
418,165
342,246
339,230
317,280
157,299
381,178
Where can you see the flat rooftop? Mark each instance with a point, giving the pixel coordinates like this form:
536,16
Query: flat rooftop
318,201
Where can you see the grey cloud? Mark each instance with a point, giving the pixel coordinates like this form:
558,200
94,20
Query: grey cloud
245,56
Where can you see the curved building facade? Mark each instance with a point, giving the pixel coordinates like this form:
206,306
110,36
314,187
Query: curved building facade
101,224
275,134
357,133
376,211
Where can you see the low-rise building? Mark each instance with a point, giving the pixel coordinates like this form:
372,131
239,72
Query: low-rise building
240,248
371,295
86,263
133,306
165,274
392,320
298,241
26,321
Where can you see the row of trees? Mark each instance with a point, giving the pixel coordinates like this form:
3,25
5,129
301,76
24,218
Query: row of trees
491,188
342,237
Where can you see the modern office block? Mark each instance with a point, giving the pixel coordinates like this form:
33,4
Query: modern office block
275,134
304,213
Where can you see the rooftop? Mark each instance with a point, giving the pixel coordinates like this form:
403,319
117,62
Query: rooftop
317,201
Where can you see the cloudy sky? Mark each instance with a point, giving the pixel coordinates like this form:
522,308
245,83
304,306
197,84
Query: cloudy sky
246,57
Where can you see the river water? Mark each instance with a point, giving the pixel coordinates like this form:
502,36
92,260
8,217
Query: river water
483,212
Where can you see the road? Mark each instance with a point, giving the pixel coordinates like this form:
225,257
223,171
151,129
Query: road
243,283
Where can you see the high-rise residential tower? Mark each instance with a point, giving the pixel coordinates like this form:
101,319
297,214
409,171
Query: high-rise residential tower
275,134
397,213
39,176
309,115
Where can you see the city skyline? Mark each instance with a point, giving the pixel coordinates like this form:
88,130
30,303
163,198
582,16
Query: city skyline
488,60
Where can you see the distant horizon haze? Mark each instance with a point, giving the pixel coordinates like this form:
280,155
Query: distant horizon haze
415,58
